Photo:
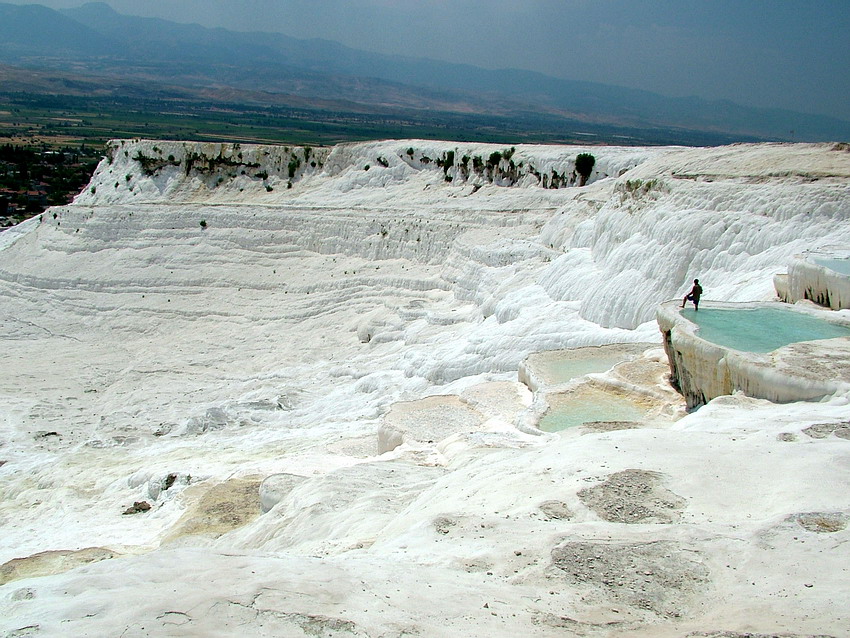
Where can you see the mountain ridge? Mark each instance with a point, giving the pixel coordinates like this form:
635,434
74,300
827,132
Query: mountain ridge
322,69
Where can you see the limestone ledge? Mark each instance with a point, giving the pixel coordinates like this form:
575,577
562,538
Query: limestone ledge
807,279
804,371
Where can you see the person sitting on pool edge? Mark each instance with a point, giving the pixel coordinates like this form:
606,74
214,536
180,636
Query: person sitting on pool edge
693,295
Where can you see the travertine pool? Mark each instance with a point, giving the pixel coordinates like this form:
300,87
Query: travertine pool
760,329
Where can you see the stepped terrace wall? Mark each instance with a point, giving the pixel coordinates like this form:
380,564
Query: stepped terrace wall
817,277
806,370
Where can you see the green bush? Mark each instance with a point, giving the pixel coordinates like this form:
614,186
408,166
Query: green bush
293,166
584,166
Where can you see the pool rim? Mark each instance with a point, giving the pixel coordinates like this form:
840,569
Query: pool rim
810,256
704,370
692,328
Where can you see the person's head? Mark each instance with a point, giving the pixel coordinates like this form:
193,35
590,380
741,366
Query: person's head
696,281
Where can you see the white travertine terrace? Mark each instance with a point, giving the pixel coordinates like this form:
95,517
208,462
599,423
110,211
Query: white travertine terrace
236,354
808,280
805,371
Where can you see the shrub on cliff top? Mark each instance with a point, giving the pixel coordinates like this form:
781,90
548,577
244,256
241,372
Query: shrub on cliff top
584,165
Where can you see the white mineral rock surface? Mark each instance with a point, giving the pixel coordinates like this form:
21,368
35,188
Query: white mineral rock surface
807,279
314,390
807,370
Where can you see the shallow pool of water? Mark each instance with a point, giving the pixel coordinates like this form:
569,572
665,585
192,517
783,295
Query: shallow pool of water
574,409
838,265
563,370
760,329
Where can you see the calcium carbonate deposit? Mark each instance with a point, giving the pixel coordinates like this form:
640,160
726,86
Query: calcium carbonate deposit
271,391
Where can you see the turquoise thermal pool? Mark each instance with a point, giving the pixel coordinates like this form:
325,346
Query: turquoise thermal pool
838,265
760,329
564,370
555,367
588,405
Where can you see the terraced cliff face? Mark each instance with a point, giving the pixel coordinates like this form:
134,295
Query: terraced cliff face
200,272
650,219
191,327
209,242
143,171
192,255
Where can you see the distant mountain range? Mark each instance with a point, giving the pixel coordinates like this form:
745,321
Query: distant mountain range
94,39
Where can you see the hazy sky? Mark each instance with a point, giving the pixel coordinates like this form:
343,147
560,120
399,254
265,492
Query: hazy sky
784,53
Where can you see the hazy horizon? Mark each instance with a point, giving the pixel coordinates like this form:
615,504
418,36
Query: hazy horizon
753,52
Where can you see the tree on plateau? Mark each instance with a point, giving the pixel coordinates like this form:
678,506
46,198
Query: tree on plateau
584,165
